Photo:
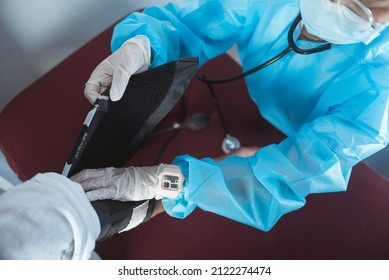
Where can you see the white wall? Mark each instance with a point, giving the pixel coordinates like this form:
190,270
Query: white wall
38,34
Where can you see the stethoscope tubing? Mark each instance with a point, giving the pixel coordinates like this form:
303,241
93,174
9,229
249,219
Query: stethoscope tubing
291,46
230,140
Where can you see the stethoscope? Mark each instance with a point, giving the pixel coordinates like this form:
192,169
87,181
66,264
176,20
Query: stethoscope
291,46
199,120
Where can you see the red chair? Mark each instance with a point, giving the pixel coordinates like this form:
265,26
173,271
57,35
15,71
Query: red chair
39,127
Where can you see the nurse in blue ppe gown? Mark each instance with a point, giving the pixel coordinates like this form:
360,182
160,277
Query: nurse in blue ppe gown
332,105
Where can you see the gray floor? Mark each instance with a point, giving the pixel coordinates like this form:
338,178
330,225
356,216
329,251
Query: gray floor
6,172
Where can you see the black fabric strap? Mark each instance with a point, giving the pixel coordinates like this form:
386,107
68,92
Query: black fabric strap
115,216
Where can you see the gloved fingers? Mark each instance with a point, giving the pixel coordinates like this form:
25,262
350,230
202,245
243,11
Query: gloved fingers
119,84
99,81
114,72
92,92
142,69
88,174
100,194
144,45
94,184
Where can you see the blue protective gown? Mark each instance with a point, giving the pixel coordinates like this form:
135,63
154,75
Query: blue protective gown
333,105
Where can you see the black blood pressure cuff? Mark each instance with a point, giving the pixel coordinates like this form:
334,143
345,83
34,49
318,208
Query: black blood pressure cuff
114,131
116,216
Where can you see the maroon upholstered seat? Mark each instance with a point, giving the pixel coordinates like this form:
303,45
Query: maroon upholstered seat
39,127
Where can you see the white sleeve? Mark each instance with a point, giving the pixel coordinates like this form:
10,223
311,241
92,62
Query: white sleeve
47,217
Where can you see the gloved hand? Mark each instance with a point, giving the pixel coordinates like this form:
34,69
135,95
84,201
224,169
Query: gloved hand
132,57
124,184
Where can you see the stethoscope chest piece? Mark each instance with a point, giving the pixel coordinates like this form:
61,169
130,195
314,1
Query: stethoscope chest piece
230,143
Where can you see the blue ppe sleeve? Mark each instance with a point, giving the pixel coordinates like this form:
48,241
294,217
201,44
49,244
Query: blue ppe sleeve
318,158
196,28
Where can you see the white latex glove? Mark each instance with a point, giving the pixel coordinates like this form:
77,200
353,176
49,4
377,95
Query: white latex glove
124,184
114,71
